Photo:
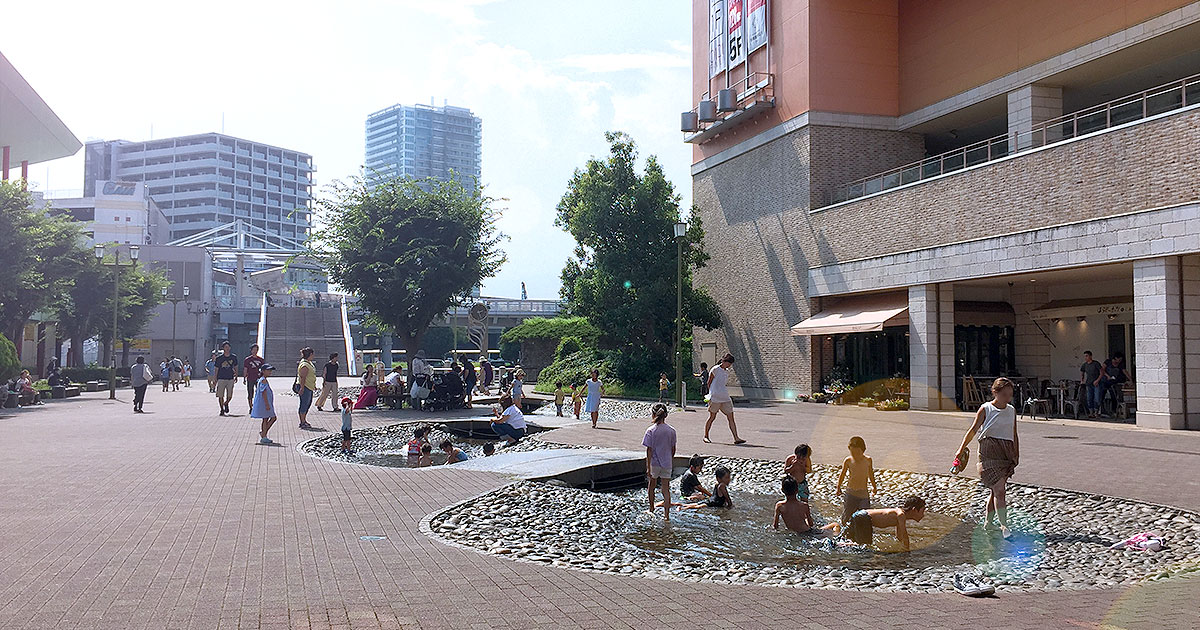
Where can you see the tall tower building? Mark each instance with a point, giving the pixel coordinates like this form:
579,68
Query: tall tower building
208,180
424,141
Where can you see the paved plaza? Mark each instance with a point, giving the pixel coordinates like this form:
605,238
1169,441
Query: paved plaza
177,519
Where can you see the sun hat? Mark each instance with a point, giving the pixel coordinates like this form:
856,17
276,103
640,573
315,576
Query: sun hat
266,366
346,399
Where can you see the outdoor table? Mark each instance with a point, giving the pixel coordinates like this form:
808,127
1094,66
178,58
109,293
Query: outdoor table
1058,393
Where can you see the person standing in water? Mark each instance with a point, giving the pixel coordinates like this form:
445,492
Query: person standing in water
595,389
999,450
719,399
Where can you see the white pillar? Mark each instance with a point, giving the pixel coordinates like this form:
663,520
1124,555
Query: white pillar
1029,106
931,346
1161,363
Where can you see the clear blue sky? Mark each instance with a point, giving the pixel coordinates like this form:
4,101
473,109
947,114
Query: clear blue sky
548,78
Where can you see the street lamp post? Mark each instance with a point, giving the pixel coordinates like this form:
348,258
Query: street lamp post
116,264
174,300
680,231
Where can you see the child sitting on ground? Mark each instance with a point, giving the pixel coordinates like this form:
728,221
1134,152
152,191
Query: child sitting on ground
489,449
860,469
689,484
426,456
796,514
347,407
453,453
720,494
797,466
863,522
559,397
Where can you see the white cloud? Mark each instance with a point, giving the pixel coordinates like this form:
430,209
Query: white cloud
620,62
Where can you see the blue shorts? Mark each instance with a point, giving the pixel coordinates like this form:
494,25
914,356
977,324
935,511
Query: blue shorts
306,396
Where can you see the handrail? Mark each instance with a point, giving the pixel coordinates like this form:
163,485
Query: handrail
1151,102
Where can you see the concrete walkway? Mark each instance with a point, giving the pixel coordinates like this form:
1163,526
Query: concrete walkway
176,519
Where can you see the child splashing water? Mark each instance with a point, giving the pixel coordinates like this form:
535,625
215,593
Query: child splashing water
999,450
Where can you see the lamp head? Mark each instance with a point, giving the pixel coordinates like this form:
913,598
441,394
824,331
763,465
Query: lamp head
186,291
134,250
98,249
680,229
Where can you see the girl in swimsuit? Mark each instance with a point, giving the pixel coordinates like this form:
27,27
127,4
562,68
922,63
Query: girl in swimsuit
720,496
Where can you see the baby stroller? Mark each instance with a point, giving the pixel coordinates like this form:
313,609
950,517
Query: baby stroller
447,392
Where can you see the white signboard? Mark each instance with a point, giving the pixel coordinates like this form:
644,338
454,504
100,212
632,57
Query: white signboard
756,25
736,40
716,38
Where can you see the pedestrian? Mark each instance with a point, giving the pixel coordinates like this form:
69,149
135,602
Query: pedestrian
176,372
999,450
703,379
164,374
659,441
139,378
518,387
1114,376
210,372
347,425
469,378
227,375
1089,377
595,389
306,380
251,370
263,405
719,399
488,375
187,373
663,386
329,385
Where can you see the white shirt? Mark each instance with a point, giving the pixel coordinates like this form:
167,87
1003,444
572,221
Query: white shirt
513,417
717,391
518,390
419,366
998,423
393,379
368,379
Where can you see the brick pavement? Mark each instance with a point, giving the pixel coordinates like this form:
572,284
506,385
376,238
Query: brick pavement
176,519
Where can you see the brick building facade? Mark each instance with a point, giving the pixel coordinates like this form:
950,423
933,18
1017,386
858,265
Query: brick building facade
1047,207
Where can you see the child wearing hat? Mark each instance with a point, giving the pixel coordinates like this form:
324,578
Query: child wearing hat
347,409
263,406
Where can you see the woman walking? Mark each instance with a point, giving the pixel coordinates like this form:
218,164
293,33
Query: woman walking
719,399
999,450
306,378
469,378
595,389
370,389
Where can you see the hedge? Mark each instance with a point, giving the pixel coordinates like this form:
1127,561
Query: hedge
552,328
85,374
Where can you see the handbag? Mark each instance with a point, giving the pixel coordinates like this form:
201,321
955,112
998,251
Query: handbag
296,388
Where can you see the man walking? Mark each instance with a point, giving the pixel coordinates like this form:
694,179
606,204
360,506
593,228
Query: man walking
176,372
251,369
227,372
329,385
1089,376
140,377
210,372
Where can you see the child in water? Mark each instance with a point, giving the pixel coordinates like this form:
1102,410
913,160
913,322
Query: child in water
863,522
860,470
720,495
453,453
797,466
426,456
796,514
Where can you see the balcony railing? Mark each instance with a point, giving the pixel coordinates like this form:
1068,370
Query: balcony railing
1165,98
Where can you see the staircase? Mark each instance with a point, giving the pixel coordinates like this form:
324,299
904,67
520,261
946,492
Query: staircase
289,329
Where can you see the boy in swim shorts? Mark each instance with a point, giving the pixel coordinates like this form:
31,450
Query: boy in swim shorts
863,522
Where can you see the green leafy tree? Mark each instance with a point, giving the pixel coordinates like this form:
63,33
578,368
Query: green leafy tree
623,273
9,365
39,255
409,250
86,309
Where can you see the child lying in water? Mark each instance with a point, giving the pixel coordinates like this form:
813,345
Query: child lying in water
863,522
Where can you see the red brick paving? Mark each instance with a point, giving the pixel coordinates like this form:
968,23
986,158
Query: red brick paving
176,519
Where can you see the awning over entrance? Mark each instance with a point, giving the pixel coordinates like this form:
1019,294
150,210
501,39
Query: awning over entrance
866,313
1059,309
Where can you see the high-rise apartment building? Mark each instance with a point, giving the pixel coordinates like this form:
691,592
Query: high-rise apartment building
948,192
424,141
208,180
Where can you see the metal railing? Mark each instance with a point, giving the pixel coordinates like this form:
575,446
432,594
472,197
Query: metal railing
1158,100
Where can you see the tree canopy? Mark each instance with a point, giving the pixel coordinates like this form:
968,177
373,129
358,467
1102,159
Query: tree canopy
552,328
622,276
408,249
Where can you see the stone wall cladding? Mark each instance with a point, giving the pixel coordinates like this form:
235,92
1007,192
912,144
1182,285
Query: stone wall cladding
841,155
1145,165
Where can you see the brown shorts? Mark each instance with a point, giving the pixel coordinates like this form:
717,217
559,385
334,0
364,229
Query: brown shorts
723,407
997,460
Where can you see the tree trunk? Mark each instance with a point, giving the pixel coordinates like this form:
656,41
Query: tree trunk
412,343
75,358
124,352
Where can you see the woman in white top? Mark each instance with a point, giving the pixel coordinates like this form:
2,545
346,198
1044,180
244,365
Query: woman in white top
719,399
509,424
518,387
595,389
999,449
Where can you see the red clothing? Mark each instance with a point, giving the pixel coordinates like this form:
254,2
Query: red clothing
251,366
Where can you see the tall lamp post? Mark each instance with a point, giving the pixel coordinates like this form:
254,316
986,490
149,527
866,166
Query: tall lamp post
116,264
680,231
174,300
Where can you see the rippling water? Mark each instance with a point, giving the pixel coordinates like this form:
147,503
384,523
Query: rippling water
744,533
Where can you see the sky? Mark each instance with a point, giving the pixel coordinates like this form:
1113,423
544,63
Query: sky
547,77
